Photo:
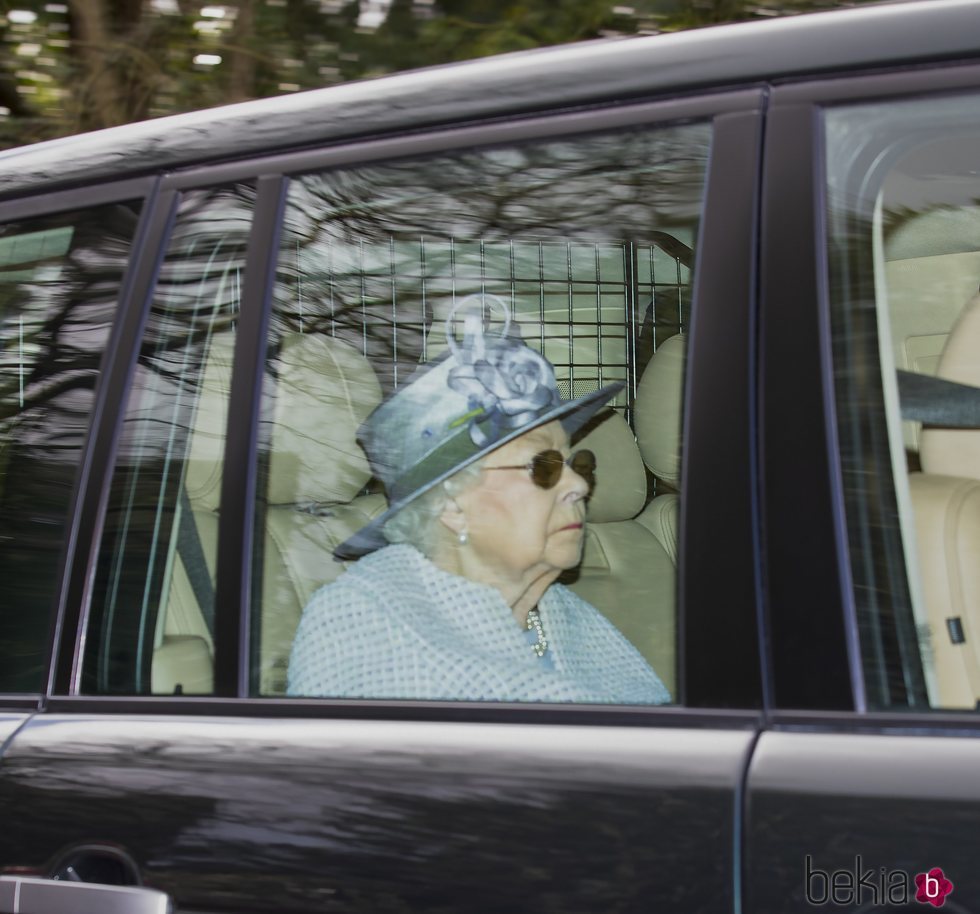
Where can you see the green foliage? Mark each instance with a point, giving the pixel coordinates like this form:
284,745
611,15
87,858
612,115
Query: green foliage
74,65
476,28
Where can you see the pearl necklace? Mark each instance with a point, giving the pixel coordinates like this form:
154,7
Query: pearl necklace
534,624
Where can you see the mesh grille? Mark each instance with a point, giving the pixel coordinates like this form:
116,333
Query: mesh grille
595,310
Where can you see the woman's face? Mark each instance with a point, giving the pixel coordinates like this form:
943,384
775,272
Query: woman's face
516,530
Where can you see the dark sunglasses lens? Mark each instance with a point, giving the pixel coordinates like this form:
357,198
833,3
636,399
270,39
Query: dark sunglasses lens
583,463
546,469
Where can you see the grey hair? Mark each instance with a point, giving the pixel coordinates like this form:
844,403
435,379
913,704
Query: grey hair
416,523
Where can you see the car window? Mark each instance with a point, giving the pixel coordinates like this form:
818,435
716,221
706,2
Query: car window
431,319
60,277
150,628
904,224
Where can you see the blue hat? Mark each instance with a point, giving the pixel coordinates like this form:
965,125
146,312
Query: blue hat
481,394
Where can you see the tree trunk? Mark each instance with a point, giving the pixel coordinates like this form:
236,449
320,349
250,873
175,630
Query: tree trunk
99,96
241,62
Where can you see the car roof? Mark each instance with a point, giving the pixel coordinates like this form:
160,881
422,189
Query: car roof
563,77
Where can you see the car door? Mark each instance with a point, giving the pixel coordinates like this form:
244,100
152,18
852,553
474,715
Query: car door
169,752
866,792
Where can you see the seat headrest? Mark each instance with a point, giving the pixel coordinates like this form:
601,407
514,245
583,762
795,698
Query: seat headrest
621,482
956,451
325,390
658,410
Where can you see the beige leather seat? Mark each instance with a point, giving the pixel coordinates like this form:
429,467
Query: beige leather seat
932,264
625,571
658,411
325,390
946,505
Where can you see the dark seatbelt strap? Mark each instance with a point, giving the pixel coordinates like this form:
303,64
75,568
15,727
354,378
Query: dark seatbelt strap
936,401
192,555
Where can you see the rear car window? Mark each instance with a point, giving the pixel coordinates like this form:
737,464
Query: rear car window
580,250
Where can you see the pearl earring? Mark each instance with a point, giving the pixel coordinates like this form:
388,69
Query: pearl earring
463,537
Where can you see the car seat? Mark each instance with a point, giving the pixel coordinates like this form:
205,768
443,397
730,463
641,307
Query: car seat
946,506
659,402
625,571
932,261
325,390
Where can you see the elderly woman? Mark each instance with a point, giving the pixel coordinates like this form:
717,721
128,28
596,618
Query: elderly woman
455,596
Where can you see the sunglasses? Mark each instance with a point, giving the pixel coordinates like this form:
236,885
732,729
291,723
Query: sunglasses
546,467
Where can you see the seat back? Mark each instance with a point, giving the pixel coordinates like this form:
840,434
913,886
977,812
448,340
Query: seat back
946,507
932,264
658,410
625,572
325,390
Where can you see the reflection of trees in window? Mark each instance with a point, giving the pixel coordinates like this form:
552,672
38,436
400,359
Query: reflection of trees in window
55,313
374,254
195,302
59,283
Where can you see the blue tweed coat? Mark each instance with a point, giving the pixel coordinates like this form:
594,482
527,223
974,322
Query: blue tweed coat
396,626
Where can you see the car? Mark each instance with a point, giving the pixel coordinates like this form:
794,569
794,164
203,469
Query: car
767,232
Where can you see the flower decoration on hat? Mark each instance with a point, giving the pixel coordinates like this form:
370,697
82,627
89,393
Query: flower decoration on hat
507,384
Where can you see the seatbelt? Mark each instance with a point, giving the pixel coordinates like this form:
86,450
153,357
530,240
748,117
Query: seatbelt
191,553
938,402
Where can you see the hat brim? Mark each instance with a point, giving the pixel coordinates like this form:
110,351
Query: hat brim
573,414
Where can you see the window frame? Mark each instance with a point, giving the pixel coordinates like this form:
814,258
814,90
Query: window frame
724,269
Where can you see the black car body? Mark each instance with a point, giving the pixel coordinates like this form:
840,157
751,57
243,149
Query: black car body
813,756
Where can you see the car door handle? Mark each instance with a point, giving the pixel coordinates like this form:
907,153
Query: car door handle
27,895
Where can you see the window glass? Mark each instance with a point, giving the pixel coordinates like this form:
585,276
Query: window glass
59,285
904,208
151,619
448,336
